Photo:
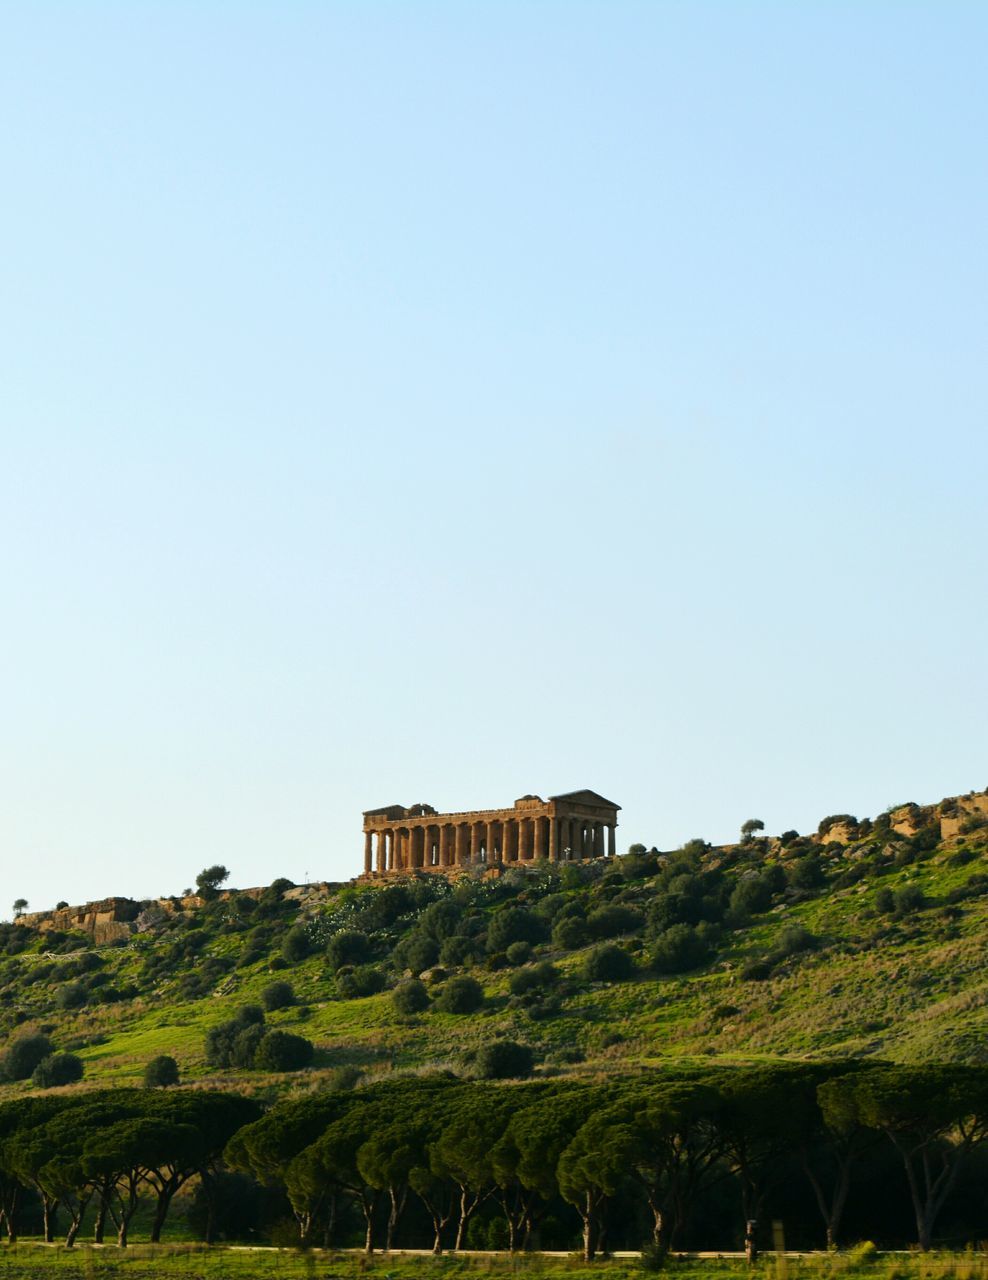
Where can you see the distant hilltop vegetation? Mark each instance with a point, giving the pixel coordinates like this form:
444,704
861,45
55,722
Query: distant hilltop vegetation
111,919
863,939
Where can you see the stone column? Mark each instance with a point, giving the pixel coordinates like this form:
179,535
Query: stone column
539,850
368,854
553,839
489,843
444,834
459,844
510,840
474,841
610,840
598,839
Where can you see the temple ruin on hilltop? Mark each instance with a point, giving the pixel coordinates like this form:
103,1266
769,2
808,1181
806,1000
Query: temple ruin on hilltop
568,827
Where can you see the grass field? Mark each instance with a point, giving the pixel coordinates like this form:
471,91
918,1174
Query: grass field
28,1262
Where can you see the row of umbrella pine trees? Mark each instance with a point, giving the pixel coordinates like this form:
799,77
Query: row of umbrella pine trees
677,1159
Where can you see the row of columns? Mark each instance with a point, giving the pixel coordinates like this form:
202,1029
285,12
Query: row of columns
461,844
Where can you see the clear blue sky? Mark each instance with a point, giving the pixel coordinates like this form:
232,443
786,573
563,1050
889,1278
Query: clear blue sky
450,401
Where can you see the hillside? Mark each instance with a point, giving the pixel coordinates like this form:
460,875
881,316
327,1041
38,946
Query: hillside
866,938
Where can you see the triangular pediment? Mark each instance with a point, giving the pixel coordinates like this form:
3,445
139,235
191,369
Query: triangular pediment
586,797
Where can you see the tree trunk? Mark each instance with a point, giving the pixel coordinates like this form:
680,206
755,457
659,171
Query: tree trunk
393,1213
10,1217
99,1226
330,1229
587,1239
122,1233
50,1210
160,1213
461,1225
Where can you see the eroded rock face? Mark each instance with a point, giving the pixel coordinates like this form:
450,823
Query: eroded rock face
105,931
85,919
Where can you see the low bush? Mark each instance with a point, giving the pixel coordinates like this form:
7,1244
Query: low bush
57,1070
610,963
410,997
570,933
297,945
460,995
537,977
503,1060
282,1051
349,946
277,995
680,949
365,980
23,1055
161,1072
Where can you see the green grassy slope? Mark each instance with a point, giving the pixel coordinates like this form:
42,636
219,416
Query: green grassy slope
874,944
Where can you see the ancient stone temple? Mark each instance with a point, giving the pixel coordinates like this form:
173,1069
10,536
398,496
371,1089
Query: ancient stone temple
568,827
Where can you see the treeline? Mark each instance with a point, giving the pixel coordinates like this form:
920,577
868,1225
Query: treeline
680,1160
651,1152
108,1150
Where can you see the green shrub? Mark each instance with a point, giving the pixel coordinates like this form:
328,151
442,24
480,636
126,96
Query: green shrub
514,924
806,873
457,951
440,920
908,899
244,1046
793,939
536,977
570,934
613,919
232,1043
460,995
410,997
416,952
161,1072
518,953
56,1070
282,1051
72,996
885,901
23,1055
503,1060
926,838
679,949
349,946
610,963
365,980
297,945
277,995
